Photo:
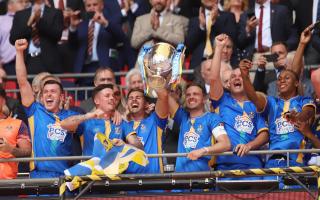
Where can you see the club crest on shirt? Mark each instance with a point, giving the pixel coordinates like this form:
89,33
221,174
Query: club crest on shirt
199,129
141,140
283,126
142,127
55,132
190,140
243,124
117,130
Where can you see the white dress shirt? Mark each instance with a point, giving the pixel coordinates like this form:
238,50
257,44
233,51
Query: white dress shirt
266,24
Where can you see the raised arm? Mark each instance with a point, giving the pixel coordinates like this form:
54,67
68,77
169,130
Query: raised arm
258,99
71,123
216,87
26,92
162,109
297,64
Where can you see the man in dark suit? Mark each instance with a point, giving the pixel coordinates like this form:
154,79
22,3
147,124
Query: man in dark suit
276,25
64,47
42,26
97,47
203,29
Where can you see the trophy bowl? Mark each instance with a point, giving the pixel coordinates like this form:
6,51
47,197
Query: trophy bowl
157,65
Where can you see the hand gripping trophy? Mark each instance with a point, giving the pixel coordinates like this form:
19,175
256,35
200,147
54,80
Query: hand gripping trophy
160,66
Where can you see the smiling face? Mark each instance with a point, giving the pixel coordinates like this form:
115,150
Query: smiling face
236,82
105,100
51,97
194,98
287,84
136,102
159,5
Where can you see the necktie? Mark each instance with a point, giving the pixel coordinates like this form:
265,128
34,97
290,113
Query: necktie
208,48
35,35
260,48
61,5
90,38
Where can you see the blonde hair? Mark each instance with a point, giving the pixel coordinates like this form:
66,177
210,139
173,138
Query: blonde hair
227,6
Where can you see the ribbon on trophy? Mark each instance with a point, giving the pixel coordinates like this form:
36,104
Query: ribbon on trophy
177,63
144,50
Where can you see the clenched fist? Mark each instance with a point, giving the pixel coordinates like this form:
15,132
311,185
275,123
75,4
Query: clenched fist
21,44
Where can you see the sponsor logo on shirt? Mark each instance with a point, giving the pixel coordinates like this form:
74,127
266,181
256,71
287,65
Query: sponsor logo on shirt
190,140
56,133
243,124
283,126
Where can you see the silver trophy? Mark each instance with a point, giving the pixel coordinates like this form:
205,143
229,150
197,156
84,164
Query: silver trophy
161,66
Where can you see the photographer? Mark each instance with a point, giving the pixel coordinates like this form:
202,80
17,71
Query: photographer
265,81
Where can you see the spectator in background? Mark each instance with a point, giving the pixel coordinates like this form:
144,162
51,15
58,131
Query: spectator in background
64,47
271,23
7,51
103,75
96,38
124,12
15,108
42,27
14,140
134,79
47,136
203,29
159,26
266,81
237,7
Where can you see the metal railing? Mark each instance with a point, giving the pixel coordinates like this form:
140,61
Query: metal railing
58,182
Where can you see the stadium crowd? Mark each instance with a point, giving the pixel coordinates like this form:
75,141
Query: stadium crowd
221,107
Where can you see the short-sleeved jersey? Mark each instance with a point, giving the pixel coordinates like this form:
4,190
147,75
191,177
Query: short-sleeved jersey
91,127
242,123
196,133
48,138
283,134
150,132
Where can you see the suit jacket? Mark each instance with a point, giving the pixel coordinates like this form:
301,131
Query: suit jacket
172,30
196,37
282,29
73,4
50,28
108,38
